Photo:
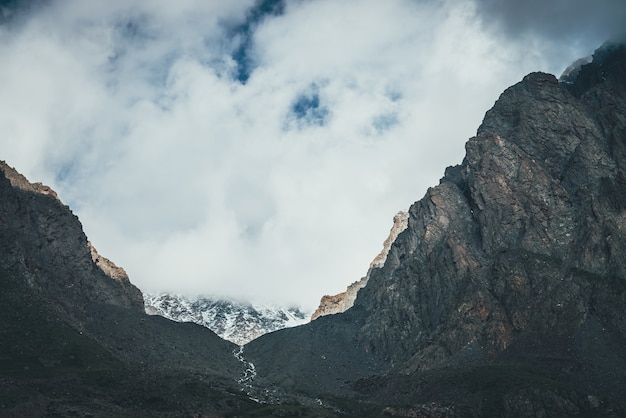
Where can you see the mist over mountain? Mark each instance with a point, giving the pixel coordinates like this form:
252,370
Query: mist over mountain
231,320
504,295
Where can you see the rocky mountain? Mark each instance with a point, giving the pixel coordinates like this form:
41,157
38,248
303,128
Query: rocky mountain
231,320
343,301
505,295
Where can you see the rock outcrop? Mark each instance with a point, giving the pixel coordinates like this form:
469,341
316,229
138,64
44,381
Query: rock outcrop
107,266
343,301
505,295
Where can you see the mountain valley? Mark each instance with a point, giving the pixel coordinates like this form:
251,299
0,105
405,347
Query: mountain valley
500,293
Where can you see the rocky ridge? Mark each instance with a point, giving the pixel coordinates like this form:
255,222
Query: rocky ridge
343,301
74,337
44,241
231,320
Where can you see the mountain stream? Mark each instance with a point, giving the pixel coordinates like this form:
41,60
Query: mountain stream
248,373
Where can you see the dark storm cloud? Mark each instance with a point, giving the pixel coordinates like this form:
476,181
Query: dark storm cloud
559,20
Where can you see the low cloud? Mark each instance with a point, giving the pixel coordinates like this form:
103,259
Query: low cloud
278,183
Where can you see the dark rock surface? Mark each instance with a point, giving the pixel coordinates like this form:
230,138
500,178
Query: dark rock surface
506,293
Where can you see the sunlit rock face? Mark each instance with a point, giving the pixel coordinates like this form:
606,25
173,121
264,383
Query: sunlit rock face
343,301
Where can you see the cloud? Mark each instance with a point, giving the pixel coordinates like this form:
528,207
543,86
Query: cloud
255,150
560,20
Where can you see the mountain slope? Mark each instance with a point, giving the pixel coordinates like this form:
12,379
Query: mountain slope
44,242
74,339
505,294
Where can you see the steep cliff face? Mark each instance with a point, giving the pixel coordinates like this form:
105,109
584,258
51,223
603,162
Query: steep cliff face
343,301
42,240
512,269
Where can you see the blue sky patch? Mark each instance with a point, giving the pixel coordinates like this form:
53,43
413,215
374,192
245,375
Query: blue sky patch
242,55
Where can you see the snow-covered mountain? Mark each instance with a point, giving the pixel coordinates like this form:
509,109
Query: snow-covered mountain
231,320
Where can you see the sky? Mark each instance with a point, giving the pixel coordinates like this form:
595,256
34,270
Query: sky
258,150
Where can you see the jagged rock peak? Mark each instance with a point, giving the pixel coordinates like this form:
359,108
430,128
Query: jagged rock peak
343,301
607,64
525,236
